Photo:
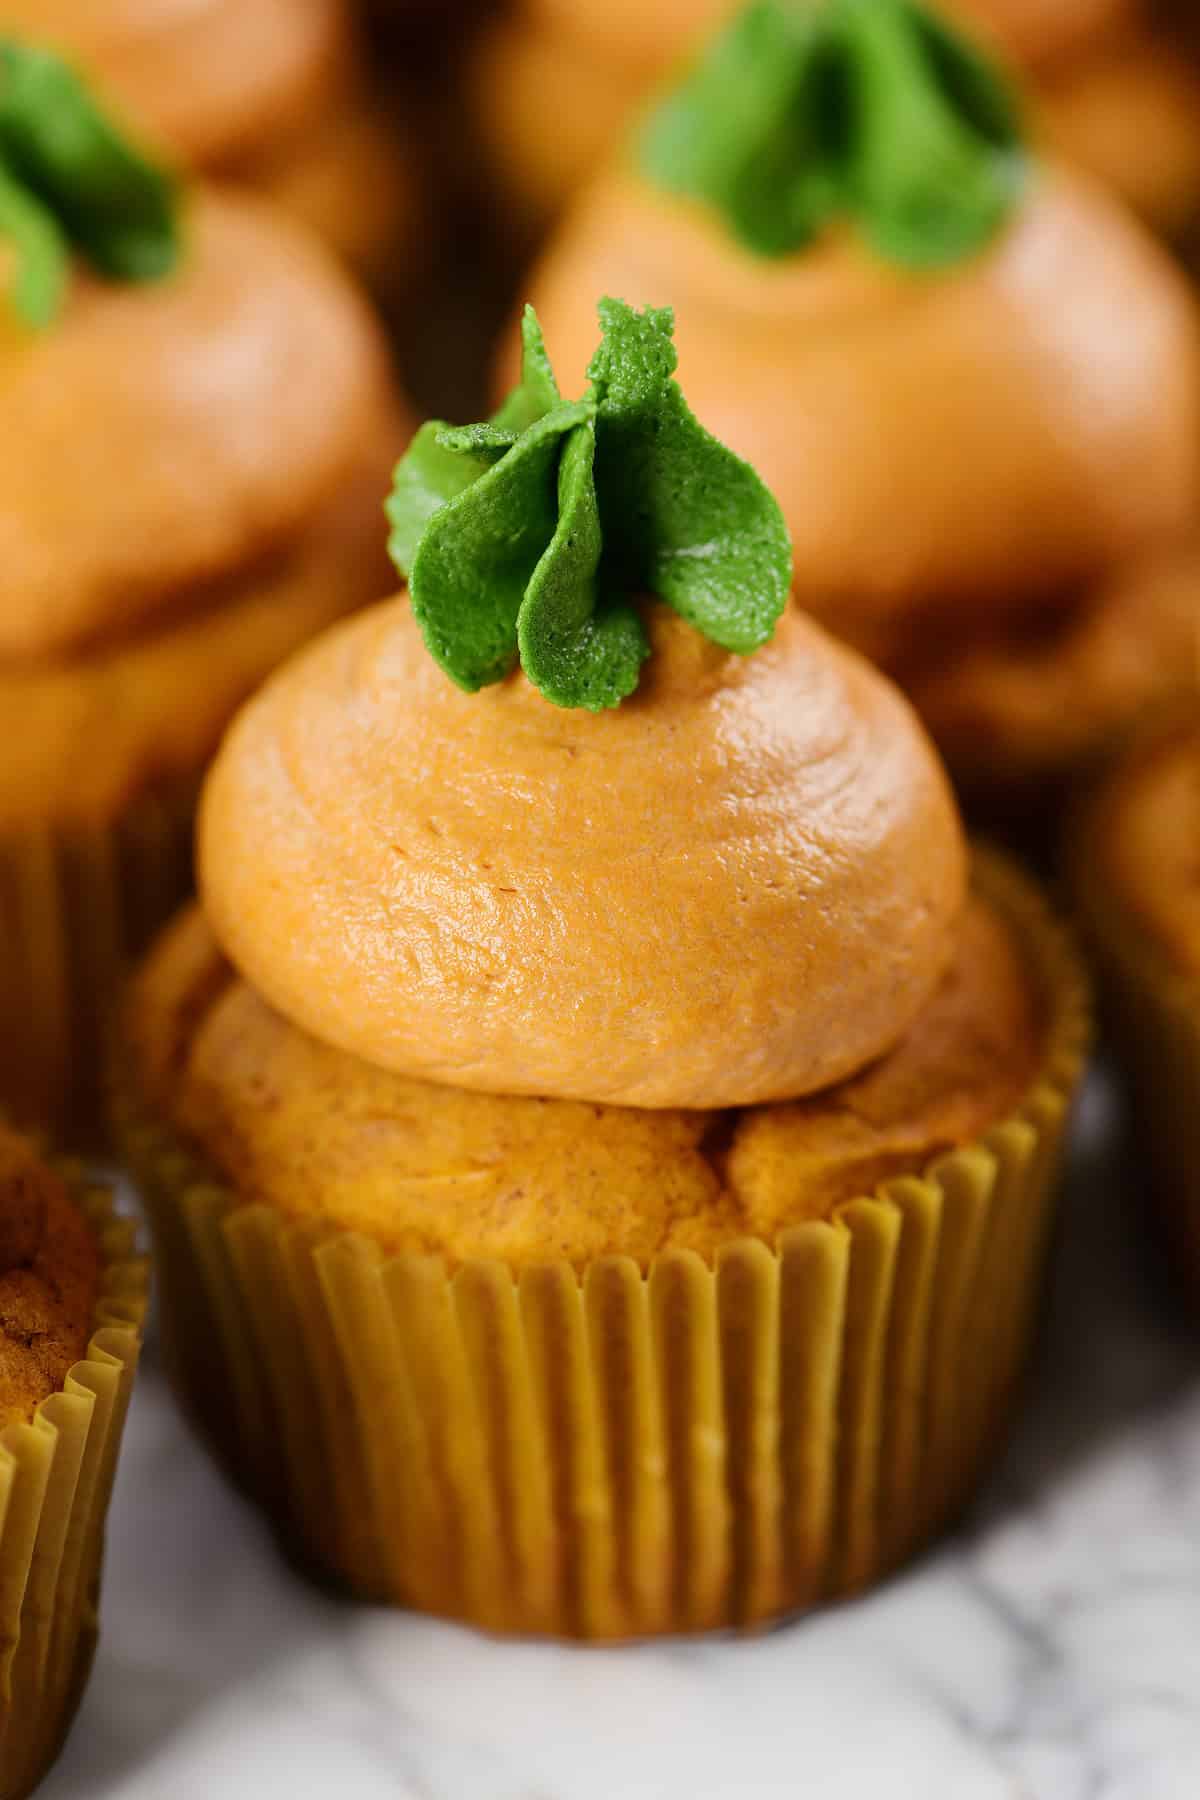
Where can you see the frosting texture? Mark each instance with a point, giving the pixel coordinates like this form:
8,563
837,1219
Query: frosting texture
1038,31
88,734
740,886
159,437
653,36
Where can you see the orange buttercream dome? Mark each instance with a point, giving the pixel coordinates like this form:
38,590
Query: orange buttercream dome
632,32
159,436
993,433
206,76
740,885
1035,31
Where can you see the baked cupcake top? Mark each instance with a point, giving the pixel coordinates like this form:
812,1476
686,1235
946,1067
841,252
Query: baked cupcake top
1145,841
49,1280
740,884
996,370
209,78
433,1169
157,433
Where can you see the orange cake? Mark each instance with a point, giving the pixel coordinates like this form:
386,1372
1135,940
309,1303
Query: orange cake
49,1278
323,1136
596,1117
72,1301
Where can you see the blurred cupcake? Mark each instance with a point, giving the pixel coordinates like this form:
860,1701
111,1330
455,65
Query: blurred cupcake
1135,874
598,1134
72,1301
1046,33
1114,87
191,474
971,377
1111,91
271,94
1129,111
1038,701
599,60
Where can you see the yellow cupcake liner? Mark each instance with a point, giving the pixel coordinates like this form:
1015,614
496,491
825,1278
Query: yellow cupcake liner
610,1452
56,1476
76,905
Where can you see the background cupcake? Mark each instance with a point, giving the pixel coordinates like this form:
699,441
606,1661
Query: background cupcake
1124,106
970,377
191,483
1112,89
1135,874
270,94
72,1299
593,1201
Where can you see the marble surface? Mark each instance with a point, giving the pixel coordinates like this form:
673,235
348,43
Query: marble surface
1051,1651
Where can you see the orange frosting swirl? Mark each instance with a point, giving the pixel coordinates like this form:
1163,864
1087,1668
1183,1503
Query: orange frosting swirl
995,433
1037,31
207,77
740,886
161,436
653,36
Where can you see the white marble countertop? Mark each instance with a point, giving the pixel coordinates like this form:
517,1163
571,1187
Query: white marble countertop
1051,1651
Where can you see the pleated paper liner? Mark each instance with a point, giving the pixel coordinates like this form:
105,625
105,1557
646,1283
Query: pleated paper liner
610,1453
76,905
56,1476
1153,1012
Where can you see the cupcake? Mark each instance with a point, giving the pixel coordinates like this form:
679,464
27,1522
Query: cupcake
72,1300
1115,87
603,60
599,1129
270,94
969,375
1127,111
191,489
1111,91
1134,865
1043,699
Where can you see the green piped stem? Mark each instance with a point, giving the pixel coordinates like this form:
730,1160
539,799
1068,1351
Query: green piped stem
871,110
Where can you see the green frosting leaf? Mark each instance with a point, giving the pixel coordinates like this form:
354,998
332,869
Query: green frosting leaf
933,163
526,537
42,255
876,110
576,650
537,390
685,518
111,202
427,477
444,460
488,442
476,555
747,132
